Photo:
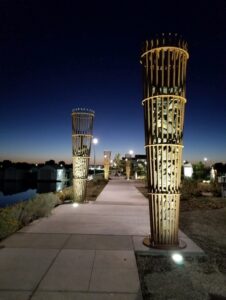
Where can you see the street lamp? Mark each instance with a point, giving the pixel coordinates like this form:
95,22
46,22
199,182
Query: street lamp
95,142
128,164
131,152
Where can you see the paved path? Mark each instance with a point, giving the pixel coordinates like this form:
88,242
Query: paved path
84,252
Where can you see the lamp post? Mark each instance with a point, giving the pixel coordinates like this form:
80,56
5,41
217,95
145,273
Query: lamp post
128,165
95,142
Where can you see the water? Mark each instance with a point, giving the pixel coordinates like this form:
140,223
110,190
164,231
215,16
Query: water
14,187
15,198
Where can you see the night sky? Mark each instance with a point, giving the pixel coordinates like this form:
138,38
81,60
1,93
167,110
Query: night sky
60,55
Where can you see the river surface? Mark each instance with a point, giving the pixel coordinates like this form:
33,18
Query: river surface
13,187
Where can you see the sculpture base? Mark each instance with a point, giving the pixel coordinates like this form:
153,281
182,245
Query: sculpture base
147,242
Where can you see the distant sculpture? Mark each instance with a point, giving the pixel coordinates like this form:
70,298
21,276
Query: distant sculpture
82,129
128,168
107,158
164,61
212,174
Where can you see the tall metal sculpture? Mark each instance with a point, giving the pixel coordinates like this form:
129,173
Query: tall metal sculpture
164,61
128,168
82,130
107,158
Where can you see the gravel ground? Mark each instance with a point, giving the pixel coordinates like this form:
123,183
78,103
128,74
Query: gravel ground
204,221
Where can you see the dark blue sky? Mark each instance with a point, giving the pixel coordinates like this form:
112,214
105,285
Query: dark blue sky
59,55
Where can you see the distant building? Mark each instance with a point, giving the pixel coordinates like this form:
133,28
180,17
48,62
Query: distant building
222,181
213,174
188,170
52,173
1,174
141,158
12,173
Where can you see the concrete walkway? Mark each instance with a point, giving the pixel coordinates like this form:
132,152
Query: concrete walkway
84,252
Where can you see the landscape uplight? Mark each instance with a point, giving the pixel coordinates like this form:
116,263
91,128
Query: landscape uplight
177,258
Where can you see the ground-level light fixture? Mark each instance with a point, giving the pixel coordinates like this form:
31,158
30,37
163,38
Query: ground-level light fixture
177,258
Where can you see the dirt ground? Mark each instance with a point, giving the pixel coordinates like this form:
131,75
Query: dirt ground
94,188
204,221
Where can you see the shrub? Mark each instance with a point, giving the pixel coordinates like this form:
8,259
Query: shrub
193,188
212,187
66,194
38,207
12,218
9,220
189,189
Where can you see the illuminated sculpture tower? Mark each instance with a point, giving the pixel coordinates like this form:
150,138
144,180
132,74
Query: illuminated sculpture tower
128,168
107,158
82,129
164,61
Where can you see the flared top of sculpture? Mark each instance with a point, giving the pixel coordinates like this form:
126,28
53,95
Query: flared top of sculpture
83,111
166,40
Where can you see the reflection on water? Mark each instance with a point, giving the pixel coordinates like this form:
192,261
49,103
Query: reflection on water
46,187
13,187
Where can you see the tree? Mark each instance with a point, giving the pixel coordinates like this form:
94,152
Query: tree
117,162
220,167
50,162
200,171
7,163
